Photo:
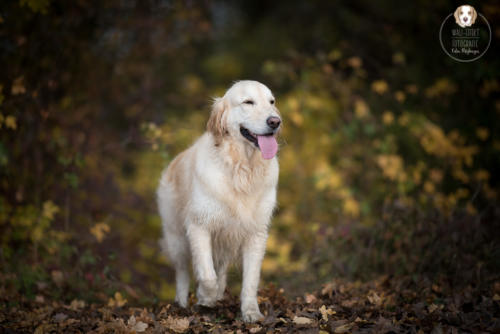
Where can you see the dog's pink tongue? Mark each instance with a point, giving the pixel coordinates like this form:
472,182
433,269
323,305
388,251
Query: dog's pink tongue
268,146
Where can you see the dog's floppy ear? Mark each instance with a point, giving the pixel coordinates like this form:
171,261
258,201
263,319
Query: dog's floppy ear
474,15
217,121
457,15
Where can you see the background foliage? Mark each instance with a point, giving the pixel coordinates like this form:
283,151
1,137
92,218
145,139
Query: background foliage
388,155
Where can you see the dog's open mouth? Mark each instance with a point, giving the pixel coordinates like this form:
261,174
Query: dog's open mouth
266,142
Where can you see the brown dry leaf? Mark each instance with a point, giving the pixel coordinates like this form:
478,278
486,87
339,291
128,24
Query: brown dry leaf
60,317
432,308
136,326
76,304
178,325
18,86
255,329
310,298
342,328
328,289
374,298
302,321
57,277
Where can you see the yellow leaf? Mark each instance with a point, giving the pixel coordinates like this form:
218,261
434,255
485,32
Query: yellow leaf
361,109
355,62
388,117
18,86
380,86
117,301
49,210
99,231
398,58
441,87
296,117
482,133
351,207
482,175
10,122
436,175
326,312
400,96
429,187
76,304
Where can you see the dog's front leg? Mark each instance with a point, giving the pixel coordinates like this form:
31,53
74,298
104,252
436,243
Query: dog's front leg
252,252
203,265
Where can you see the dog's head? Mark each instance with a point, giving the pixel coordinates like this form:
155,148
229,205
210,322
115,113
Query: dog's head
248,113
465,16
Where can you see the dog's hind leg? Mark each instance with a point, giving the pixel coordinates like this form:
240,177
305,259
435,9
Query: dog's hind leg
221,270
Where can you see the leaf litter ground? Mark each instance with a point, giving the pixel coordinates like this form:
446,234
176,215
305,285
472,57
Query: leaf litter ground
384,305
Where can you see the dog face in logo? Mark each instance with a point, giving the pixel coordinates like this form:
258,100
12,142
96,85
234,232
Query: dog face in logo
465,16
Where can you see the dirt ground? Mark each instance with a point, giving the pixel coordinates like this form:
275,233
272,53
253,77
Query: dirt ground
384,305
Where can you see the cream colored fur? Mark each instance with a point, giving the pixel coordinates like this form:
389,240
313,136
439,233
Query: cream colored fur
216,200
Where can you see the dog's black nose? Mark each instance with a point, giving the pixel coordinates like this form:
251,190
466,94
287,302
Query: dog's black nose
465,19
273,122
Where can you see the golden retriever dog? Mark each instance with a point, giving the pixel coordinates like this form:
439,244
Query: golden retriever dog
465,16
217,197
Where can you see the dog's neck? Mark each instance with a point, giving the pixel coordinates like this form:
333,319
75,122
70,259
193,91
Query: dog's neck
244,162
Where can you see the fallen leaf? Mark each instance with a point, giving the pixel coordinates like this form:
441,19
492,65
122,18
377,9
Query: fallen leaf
137,326
326,312
342,328
302,320
374,299
18,86
60,317
328,289
99,231
255,329
178,325
432,308
117,301
76,304
310,298
57,277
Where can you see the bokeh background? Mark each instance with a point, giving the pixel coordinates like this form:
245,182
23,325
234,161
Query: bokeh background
389,154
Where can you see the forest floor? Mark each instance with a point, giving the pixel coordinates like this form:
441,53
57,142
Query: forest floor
384,305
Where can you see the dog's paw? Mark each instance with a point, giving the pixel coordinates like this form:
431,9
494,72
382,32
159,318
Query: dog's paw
182,302
207,293
251,314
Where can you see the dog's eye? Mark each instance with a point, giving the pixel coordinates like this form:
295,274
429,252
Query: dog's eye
272,101
250,102
461,12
